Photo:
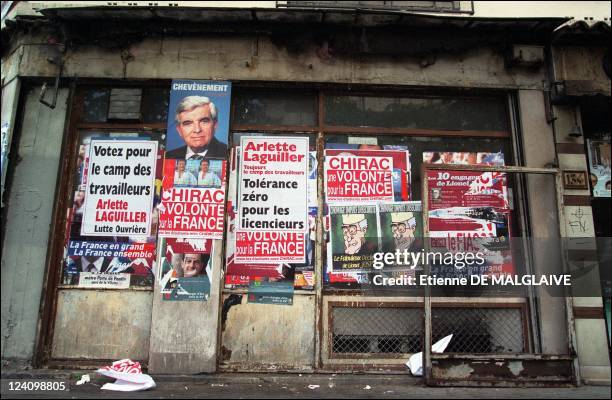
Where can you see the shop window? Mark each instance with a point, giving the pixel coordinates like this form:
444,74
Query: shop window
275,109
456,114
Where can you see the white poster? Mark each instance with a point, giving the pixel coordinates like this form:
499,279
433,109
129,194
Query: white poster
120,188
272,199
104,281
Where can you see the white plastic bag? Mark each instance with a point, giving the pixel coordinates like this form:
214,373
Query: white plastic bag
128,375
415,362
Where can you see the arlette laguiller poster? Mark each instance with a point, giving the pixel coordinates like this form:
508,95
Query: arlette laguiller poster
272,221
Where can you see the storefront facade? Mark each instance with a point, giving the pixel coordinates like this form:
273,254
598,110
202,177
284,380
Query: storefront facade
356,83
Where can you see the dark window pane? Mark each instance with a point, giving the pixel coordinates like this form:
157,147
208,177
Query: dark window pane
155,104
125,104
275,109
95,105
419,113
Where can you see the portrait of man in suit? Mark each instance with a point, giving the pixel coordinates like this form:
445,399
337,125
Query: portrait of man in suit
196,123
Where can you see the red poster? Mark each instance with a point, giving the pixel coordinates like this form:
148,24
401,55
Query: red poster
192,212
467,189
282,247
366,175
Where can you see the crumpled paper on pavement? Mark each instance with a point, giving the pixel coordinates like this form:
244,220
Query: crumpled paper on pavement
128,375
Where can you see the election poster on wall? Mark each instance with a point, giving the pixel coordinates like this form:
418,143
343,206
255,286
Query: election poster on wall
115,259
198,119
193,203
463,158
185,269
600,161
263,291
272,205
240,275
354,237
467,189
119,190
401,226
383,186
469,212
366,175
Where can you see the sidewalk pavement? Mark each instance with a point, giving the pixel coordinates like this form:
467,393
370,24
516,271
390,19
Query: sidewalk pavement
262,385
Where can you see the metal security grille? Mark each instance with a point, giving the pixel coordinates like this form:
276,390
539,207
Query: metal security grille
480,330
385,331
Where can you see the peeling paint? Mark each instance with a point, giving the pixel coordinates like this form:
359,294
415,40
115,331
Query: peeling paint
516,367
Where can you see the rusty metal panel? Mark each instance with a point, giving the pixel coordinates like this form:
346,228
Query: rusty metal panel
469,370
102,324
267,337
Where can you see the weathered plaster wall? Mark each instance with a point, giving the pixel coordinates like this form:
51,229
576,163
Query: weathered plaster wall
257,58
102,324
270,337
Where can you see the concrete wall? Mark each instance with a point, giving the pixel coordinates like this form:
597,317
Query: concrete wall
30,209
539,151
591,337
102,324
255,57
269,337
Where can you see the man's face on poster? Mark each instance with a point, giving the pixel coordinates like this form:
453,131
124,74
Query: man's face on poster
192,265
403,234
180,165
204,166
196,127
354,238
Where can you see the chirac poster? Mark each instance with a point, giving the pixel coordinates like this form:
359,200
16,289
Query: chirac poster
366,175
188,207
272,200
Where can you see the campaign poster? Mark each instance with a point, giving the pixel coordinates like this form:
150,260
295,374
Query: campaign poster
131,258
401,226
366,175
198,119
264,291
463,158
599,165
192,212
312,180
466,189
241,274
204,173
120,188
354,237
469,212
272,205
473,229
186,269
